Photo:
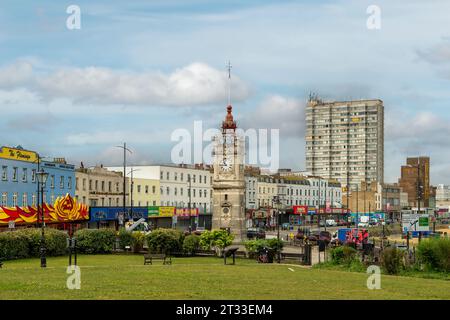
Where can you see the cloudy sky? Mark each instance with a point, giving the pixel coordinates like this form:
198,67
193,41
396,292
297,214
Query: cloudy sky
138,70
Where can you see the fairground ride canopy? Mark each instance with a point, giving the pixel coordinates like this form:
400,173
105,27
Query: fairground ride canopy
65,209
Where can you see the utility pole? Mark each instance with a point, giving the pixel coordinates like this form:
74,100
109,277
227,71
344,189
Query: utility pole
357,208
418,186
318,214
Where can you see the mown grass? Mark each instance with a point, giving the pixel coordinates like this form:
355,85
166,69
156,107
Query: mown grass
125,277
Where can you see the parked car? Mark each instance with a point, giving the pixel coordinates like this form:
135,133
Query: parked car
322,235
331,223
363,225
256,233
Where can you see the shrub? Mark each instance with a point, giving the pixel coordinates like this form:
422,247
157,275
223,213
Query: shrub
25,243
137,240
275,244
434,254
343,255
125,238
13,245
392,260
165,241
191,244
254,246
95,240
216,239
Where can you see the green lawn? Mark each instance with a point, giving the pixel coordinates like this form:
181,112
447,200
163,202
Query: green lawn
125,277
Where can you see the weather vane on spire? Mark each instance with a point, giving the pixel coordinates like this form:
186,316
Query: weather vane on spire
229,82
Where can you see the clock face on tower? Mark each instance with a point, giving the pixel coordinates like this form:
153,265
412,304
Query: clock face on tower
226,165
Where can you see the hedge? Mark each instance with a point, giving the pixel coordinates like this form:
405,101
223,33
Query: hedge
165,241
191,244
434,254
95,240
26,243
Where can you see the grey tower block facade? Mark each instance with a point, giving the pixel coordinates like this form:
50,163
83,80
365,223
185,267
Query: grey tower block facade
229,181
345,140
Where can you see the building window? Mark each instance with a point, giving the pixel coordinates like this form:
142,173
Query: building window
69,183
117,187
175,191
77,183
193,178
167,191
199,179
33,200
61,182
175,176
103,186
153,189
226,197
154,202
109,186
33,175
84,184
4,173
167,175
14,174
52,181
139,189
24,175
181,191
181,176
4,199
14,199
146,189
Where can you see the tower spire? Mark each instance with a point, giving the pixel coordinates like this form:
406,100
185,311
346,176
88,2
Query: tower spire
229,82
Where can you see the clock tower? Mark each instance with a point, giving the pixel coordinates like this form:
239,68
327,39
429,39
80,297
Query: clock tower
228,180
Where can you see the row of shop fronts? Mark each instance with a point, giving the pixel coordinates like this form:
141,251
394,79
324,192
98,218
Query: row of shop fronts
154,216
303,215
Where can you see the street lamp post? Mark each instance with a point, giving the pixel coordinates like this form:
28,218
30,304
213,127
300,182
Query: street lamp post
276,200
131,192
125,149
42,179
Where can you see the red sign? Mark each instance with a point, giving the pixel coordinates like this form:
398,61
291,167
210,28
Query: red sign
328,207
300,209
184,212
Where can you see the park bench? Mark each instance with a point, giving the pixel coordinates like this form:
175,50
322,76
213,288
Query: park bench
149,257
230,252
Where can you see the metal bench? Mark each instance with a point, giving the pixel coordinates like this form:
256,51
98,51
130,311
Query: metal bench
230,252
149,257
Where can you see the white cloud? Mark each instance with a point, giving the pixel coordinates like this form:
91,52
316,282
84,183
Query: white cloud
194,84
278,112
15,75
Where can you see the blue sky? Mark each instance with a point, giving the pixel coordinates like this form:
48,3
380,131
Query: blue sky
138,70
